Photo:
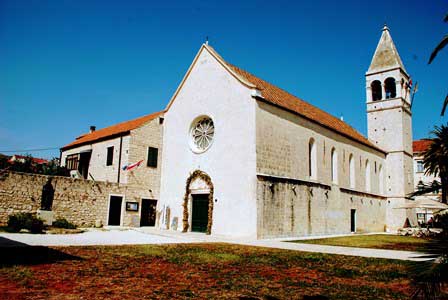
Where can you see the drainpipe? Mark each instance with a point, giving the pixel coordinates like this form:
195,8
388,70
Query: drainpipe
119,158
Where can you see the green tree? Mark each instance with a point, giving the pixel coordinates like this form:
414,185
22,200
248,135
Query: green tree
435,158
434,53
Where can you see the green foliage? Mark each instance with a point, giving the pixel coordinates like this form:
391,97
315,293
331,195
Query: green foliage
27,221
435,159
442,44
63,223
375,241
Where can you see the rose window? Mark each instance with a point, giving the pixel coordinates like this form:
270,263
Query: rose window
202,134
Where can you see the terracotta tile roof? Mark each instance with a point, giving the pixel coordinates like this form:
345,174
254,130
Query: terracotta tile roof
422,145
274,95
113,130
36,160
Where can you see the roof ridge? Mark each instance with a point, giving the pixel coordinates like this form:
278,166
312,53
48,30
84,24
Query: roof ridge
360,137
113,129
298,98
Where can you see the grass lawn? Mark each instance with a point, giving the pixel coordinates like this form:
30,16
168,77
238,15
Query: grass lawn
377,241
195,271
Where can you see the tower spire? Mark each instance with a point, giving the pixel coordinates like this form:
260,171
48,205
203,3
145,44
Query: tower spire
386,56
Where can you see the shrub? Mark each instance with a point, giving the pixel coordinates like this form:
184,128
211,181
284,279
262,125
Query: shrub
25,221
63,223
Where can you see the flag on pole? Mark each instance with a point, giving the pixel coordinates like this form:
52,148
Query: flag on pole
132,166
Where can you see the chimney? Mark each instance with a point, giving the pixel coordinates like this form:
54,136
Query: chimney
92,129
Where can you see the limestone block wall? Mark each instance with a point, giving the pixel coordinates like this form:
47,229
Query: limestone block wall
148,178
282,141
288,207
80,201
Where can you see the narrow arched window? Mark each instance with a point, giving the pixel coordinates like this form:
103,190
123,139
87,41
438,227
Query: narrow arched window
391,89
367,175
312,159
334,166
381,181
376,90
351,170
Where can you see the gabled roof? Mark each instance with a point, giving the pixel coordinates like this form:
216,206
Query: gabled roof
420,146
386,55
111,131
278,97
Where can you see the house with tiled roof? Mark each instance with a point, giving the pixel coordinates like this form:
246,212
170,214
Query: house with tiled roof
126,153
240,156
420,178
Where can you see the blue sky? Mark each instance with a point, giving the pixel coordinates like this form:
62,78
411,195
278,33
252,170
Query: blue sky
65,65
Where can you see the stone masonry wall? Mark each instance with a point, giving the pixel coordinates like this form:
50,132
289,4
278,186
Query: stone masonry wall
148,135
80,201
300,208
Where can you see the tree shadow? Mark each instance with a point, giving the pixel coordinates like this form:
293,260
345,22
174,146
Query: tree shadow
13,253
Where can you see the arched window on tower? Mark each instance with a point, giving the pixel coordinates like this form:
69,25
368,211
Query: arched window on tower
391,89
351,170
367,176
312,159
376,90
334,166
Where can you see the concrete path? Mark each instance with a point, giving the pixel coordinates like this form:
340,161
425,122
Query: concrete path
139,236
351,251
97,237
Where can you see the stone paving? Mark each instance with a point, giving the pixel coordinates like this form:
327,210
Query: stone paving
139,236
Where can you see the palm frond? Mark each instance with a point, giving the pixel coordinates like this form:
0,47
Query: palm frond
439,47
426,190
445,103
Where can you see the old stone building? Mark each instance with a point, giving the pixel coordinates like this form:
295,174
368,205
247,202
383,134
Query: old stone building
129,154
242,157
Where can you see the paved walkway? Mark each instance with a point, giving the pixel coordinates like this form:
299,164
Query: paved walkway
140,236
363,252
89,238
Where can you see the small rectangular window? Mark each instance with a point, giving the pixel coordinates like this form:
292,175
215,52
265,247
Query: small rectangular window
110,156
71,162
420,167
152,157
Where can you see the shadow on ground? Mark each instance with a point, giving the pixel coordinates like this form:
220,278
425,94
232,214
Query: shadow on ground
16,253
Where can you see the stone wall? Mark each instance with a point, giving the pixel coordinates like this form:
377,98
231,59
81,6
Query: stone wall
289,207
283,145
148,135
80,201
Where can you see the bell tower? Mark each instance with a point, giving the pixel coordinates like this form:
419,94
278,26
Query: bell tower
389,121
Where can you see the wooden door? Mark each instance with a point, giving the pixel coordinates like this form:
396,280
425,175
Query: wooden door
115,210
199,215
148,212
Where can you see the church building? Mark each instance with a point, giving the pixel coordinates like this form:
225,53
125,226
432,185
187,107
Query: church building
241,157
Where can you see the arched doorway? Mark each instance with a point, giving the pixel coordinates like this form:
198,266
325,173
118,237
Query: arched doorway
198,203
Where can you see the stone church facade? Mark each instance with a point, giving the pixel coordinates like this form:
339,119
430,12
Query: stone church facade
242,157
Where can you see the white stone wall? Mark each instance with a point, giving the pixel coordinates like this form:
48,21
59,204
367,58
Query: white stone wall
282,150
425,178
209,90
288,208
97,166
390,127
